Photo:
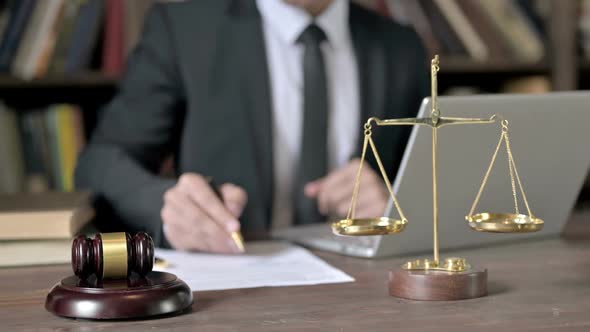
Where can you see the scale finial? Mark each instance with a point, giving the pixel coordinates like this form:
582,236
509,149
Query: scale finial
434,68
435,60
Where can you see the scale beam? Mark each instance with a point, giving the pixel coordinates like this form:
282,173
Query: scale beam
430,122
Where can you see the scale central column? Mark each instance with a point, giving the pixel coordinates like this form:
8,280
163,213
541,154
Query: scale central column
435,115
435,194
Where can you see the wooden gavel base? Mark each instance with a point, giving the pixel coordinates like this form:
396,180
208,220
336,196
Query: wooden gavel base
438,285
159,293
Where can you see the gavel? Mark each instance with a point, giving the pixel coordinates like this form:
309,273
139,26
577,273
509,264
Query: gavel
112,255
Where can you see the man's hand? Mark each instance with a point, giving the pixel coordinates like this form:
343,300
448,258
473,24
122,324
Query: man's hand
334,191
195,218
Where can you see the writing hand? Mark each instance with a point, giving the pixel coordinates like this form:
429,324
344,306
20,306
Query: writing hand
196,218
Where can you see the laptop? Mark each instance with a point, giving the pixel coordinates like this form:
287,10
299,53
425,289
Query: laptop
550,142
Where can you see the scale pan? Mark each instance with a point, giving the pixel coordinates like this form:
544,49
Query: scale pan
371,226
504,223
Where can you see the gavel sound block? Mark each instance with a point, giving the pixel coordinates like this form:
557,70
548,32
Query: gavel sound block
113,279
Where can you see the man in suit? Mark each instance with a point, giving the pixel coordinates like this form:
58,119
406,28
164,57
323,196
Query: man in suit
263,100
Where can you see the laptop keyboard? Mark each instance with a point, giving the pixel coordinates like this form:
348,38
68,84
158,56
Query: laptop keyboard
321,237
364,241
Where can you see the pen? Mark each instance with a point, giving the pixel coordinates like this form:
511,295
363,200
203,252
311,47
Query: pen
239,240
237,235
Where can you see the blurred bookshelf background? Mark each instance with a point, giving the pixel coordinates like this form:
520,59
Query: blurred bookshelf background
60,61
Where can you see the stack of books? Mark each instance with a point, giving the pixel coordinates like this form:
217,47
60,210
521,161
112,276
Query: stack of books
37,229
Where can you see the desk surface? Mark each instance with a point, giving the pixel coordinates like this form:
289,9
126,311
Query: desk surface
536,285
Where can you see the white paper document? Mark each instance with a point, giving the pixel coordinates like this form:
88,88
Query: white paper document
264,264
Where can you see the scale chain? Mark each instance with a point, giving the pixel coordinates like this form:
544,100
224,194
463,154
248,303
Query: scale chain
504,138
386,179
369,141
511,157
352,208
510,167
486,176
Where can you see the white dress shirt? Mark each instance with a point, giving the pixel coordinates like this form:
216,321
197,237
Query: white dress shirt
282,24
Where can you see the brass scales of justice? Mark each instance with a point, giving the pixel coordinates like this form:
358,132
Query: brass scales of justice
450,278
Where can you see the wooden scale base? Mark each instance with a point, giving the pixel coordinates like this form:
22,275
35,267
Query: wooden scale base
156,294
438,285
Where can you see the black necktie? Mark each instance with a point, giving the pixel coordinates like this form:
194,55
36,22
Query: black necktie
313,158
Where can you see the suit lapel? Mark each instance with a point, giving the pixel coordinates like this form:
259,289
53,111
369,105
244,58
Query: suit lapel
244,33
246,36
372,67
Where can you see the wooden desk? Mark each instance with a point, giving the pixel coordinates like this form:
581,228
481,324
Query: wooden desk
540,285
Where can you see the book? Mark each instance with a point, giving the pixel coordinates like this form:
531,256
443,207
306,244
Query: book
450,42
66,32
85,35
69,146
35,150
63,124
51,215
11,156
524,40
52,139
535,11
417,18
474,45
38,39
79,131
498,45
5,13
584,27
51,125
20,12
113,51
25,47
46,46
27,253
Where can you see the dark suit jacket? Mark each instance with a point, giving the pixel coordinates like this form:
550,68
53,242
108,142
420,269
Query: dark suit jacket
197,87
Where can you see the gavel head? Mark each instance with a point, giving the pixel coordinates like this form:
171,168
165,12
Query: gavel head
112,255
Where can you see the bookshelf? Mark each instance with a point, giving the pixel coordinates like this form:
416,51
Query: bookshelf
84,89
83,81
89,90
466,66
560,64
563,65
583,79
